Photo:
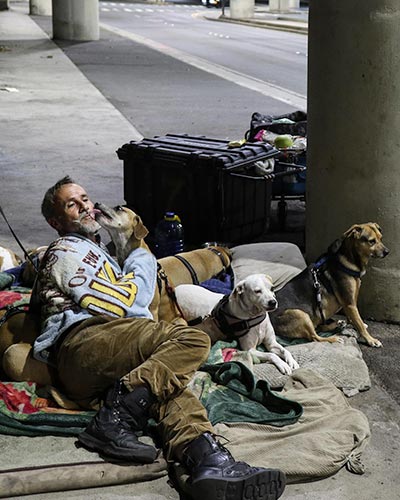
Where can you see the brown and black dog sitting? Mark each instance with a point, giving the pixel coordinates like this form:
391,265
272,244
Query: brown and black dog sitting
331,284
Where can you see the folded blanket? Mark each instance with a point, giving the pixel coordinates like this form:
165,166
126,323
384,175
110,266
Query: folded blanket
24,413
230,393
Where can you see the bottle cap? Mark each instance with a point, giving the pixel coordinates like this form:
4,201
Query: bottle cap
171,216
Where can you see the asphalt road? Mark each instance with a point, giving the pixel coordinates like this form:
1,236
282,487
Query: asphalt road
152,74
271,56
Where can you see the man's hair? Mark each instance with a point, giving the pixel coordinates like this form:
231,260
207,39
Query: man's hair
48,200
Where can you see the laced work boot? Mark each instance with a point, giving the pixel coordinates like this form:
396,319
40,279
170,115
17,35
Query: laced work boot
112,431
215,475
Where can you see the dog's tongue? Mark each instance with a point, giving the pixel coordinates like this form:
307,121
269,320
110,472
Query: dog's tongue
94,213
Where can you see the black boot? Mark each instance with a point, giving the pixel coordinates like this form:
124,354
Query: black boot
111,432
215,475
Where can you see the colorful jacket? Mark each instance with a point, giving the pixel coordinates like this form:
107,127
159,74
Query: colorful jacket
78,279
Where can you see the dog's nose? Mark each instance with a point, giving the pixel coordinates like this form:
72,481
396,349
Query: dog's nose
272,304
385,251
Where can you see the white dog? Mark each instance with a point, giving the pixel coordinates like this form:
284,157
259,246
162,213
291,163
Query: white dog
241,316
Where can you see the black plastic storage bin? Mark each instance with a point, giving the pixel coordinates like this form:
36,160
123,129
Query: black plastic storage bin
211,186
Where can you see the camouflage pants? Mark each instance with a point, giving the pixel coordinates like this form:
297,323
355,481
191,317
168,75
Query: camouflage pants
138,351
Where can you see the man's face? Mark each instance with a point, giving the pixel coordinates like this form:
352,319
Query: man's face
73,212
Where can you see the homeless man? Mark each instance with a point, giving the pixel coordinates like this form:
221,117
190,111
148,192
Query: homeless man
97,330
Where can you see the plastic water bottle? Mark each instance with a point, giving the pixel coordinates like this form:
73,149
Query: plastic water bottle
168,236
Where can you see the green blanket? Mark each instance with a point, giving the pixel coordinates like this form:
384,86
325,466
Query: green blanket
230,392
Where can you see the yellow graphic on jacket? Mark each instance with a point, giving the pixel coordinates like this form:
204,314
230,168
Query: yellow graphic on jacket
111,294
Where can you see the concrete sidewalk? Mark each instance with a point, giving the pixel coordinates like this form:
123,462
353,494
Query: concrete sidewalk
54,122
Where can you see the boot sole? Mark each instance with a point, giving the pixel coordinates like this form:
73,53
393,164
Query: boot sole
144,454
264,485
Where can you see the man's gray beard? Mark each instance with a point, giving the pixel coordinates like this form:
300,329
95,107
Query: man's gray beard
87,228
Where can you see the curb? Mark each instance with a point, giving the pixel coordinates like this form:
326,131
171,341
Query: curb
273,25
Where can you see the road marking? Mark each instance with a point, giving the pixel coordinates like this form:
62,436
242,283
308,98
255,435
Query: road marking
268,89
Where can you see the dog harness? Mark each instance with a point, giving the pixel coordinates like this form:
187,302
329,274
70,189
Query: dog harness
317,271
189,267
192,272
232,327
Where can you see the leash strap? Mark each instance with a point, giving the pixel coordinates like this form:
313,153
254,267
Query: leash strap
318,295
162,276
28,257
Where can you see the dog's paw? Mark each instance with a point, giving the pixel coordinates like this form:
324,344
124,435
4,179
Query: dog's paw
284,368
289,359
338,340
375,343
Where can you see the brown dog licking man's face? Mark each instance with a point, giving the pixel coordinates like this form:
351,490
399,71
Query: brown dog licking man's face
124,226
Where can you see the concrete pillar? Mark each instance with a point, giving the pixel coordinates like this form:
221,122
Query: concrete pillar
76,20
241,9
4,5
40,7
353,153
283,5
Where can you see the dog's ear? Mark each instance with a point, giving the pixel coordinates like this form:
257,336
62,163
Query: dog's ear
269,279
376,226
335,246
239,289
140,230
355,231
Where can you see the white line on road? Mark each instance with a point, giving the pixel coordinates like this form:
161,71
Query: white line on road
268,89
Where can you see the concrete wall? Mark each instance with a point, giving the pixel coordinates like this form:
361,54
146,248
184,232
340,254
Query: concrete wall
76,20
241,9
283,5
353,135
40,7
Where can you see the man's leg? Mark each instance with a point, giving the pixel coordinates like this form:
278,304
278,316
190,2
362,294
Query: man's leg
157,360
101,350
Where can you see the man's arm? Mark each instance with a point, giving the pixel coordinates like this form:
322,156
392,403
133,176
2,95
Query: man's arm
89,278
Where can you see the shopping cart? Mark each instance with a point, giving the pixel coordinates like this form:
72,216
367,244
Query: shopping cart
289,174
289,182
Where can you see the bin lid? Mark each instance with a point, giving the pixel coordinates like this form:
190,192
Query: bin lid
215,152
